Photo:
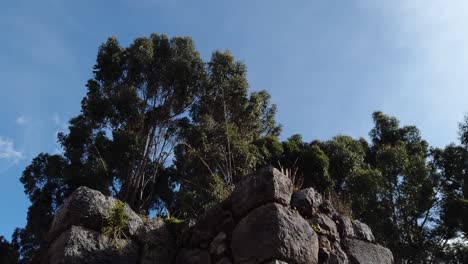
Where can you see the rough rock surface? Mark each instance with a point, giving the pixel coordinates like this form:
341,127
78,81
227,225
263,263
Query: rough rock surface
158,245
362,231
274,232
80,245
267,185
346,226
306,201
325,226
362,252
89,208
193,256
258,224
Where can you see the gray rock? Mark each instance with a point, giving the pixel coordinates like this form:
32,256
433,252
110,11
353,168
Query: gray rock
224,261
345,226
331,252
325,249
337,255
158,244
326,226
78,245
216,219
306,201
361,252
218,246
326,207
193,256
274,232
267,185
276,262
89,208
362,231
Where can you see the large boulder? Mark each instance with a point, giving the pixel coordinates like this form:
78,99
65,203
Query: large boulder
362,252
331,252
89,208
267,185
218,246
325,226
158,244
337,255
274,232
79,245
193,256
363,231
345,226
306,201
216,219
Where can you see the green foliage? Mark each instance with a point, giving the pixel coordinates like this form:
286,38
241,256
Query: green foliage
117,223
46,186
454,254
132,115
231,133
199,196
346,156
315,166
365,185
399,190
8,252
176,227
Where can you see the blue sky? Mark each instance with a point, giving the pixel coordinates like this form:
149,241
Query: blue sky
328,65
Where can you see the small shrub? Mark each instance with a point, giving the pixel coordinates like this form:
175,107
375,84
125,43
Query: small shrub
342,207
175,227
117,222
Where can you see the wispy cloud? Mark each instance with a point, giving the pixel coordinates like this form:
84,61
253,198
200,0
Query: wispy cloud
21,120
430,85
8,151
58,121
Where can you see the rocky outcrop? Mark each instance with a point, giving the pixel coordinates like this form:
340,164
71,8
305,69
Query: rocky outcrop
89,208
267,185
80,245
306,201
262,222
274,232
364,252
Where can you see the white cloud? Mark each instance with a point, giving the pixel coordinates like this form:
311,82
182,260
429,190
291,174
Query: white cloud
21,120
8,151
56,119
429,85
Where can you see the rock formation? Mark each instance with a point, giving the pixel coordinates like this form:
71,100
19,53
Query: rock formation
262,222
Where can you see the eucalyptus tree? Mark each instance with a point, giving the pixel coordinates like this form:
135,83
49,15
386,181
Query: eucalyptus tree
131,116
221,143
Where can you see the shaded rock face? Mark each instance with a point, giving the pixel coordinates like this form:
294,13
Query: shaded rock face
80,245
274,232
76,234
306,201
267,185
262,222
363,252
89,208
